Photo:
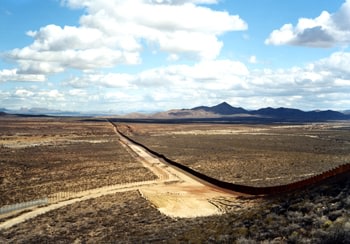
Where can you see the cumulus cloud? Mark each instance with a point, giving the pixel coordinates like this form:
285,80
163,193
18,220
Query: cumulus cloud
253,59
54,49
324,31
320,84
173,85
112,80
202,74
336,63
31,97
14,75
23,93
116,32
227,79
323,84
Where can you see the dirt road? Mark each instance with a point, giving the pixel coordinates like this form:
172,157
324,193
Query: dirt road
174,193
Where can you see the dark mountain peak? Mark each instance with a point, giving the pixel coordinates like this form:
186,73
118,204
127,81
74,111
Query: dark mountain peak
223,108
223,104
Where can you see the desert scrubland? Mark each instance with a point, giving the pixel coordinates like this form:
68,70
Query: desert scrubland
41,156
257,155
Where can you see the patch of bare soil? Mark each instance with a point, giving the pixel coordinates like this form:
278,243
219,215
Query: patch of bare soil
257,155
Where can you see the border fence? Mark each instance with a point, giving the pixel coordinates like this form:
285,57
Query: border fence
334,173
23,205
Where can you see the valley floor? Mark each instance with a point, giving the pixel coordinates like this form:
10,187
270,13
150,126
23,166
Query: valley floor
155,213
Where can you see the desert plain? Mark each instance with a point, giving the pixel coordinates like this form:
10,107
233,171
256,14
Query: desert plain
44,156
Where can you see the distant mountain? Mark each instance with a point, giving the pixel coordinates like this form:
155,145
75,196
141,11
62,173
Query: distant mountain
226,112
39,112
328,115
217,111
3,110
183,113
223,112
223,109
296,114
279,112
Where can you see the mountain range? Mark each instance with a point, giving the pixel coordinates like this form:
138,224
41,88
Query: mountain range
219,112
228,112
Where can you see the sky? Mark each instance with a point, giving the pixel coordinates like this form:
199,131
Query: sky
123,56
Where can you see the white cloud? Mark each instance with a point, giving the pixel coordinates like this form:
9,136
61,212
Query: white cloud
13,75
77,93
115,32
337,63
198,75
55,48
173,57
317,85
342,82
326,30
113,80
216,69
253,59
31,97
118,96
52,94
314,86
323,84
23,93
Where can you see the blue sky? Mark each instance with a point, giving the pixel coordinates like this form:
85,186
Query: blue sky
150,55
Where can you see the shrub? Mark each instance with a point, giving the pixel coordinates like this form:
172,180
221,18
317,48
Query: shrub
339,236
